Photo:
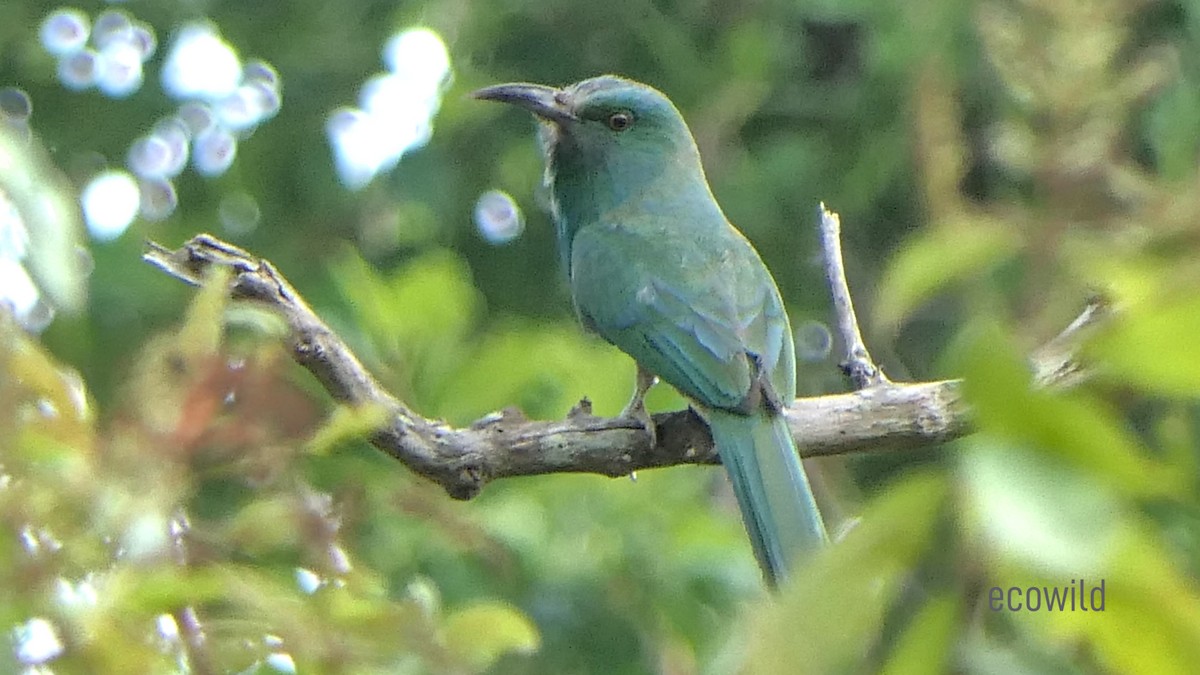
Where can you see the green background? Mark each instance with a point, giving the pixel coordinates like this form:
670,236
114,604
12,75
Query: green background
994,163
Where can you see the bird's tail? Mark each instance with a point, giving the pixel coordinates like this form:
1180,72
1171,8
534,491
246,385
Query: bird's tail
772,490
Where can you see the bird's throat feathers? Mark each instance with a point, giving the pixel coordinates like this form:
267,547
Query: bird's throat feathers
595,178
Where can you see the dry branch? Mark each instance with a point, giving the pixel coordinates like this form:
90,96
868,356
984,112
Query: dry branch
883,416
857,365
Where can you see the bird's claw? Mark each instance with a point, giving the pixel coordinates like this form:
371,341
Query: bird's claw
638,413
636,408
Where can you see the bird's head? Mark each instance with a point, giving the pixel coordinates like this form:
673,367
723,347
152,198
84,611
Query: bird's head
621,132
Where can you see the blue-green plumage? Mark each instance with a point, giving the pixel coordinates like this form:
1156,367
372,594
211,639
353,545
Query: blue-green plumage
656,269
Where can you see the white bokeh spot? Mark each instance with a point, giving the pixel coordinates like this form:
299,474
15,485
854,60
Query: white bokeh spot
396,108
110,203
37,642
201,64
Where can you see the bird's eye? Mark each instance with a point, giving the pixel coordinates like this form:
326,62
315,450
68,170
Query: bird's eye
620,121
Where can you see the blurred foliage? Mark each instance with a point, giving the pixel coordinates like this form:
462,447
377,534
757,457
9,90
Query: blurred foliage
176,495
34,188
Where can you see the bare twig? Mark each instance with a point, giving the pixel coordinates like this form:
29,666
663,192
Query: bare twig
895,417
857,365
1055,362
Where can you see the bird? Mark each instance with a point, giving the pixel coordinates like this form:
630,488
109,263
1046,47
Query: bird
656,269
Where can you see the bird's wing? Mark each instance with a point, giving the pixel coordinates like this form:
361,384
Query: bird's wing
766,330
697,329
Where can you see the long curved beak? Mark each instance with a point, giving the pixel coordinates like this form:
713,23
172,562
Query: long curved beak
545,102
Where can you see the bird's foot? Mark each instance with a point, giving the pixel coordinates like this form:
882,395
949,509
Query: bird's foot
636,408
643,418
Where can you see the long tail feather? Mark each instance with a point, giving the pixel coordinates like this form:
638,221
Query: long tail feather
772,490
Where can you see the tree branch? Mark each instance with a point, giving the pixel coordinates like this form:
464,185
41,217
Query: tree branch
1054,363
887,416
857,364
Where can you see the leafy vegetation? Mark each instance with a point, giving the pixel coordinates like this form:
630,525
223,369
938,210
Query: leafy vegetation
177,496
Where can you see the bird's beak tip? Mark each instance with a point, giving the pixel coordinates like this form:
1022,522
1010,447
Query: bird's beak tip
486,93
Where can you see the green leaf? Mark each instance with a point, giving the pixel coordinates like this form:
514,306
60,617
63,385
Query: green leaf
927,643
29,364
261,320
1151,618
427,301
1152,346
1037,509
484,632
541,369
204,326
937,257
1073,425
347,423
1139,614
844,592
264,524
165,588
